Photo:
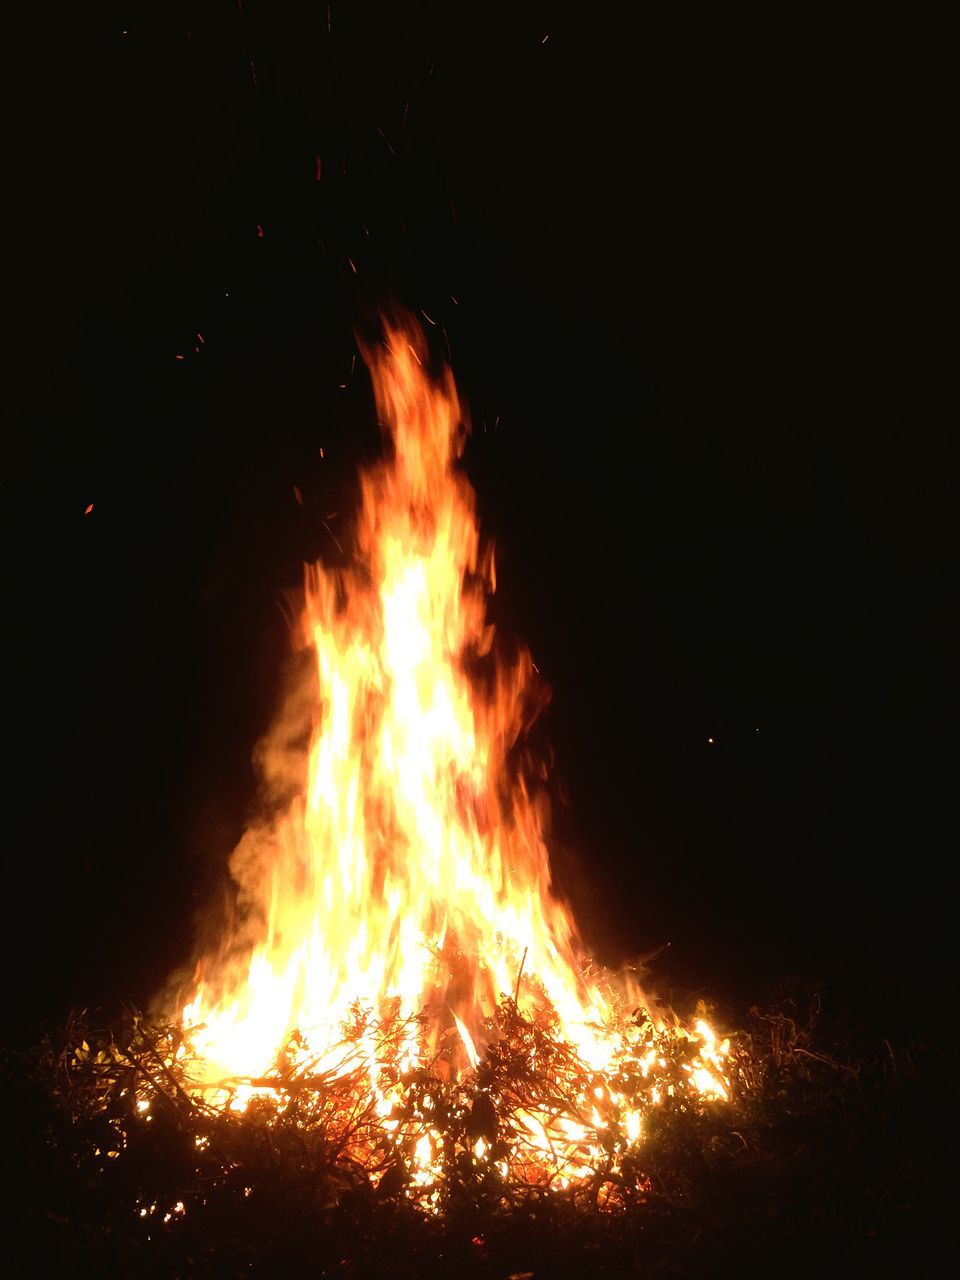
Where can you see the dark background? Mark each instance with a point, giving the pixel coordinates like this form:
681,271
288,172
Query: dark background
689,278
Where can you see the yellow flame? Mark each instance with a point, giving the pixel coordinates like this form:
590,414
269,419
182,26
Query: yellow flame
409,871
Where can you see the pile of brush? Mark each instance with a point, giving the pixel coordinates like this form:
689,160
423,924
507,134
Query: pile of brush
128,1170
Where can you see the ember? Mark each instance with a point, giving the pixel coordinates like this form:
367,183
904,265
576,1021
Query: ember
402,961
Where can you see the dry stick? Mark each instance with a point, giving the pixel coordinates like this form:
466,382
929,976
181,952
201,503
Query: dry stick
178,1089
516,994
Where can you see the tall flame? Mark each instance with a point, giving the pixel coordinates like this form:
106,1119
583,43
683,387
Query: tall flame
410,871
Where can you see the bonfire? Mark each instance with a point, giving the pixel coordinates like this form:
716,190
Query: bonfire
399,984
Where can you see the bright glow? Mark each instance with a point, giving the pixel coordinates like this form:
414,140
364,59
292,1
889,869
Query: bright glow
407,868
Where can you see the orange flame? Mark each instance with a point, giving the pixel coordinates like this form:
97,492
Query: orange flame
410,871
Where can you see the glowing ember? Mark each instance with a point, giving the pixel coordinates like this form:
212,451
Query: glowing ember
404,890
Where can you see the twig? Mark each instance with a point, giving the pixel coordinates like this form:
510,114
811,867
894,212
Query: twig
516,994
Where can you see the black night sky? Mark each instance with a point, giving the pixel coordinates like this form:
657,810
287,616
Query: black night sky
685,272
